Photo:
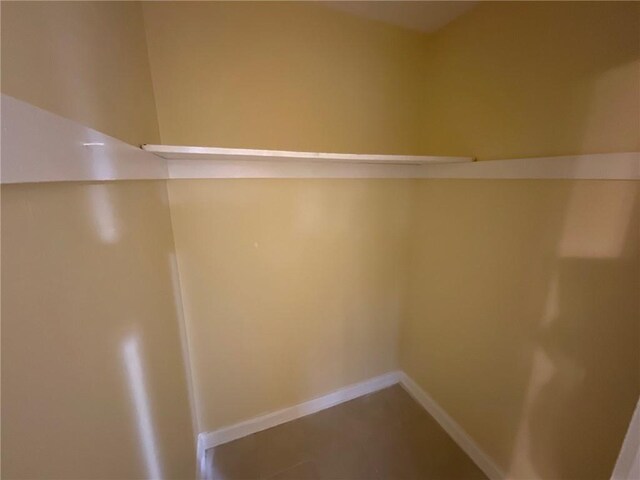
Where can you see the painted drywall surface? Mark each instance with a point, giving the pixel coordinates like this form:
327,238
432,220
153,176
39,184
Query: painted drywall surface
529,79
292,288
282,75
507,79
86,61
93,380
522,319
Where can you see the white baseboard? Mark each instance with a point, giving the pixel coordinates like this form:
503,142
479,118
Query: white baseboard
455,431
207,440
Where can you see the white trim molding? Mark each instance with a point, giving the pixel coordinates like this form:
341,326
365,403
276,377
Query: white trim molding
600,166
195,169
176,152
597,166
262,422
207,440
628,464
455,431
39,146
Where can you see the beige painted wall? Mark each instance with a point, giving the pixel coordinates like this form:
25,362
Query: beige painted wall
527,79
523,317
494,85
87,285
83,60
292,288
90,338
282,75
301,281
507,80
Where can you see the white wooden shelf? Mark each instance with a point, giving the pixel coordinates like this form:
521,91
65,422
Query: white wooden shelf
172,152
39,146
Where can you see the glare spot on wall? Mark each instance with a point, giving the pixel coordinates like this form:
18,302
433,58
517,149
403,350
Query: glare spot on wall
542,372
610,117
101,163
596,226
140,397
103,214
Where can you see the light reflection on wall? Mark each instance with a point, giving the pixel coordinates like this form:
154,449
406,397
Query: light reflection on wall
542,371
103,214
597,226
139,395
101,164
609,105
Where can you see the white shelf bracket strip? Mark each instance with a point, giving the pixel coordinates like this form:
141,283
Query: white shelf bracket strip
39,146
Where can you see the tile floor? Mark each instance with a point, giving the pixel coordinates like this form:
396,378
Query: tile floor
384,435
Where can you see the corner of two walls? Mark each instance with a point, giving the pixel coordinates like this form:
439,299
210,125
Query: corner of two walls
86,61
321,261
92,367
292,288
522,320
522,315
514,80
282,75
501,295
93,384
471,279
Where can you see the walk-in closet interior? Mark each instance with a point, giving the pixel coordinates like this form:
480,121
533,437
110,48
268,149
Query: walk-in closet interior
320,240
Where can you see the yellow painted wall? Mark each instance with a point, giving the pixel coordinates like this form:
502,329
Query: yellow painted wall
506,80
87,289
527,79
292,288
522,319
90,338
86,61
282,75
